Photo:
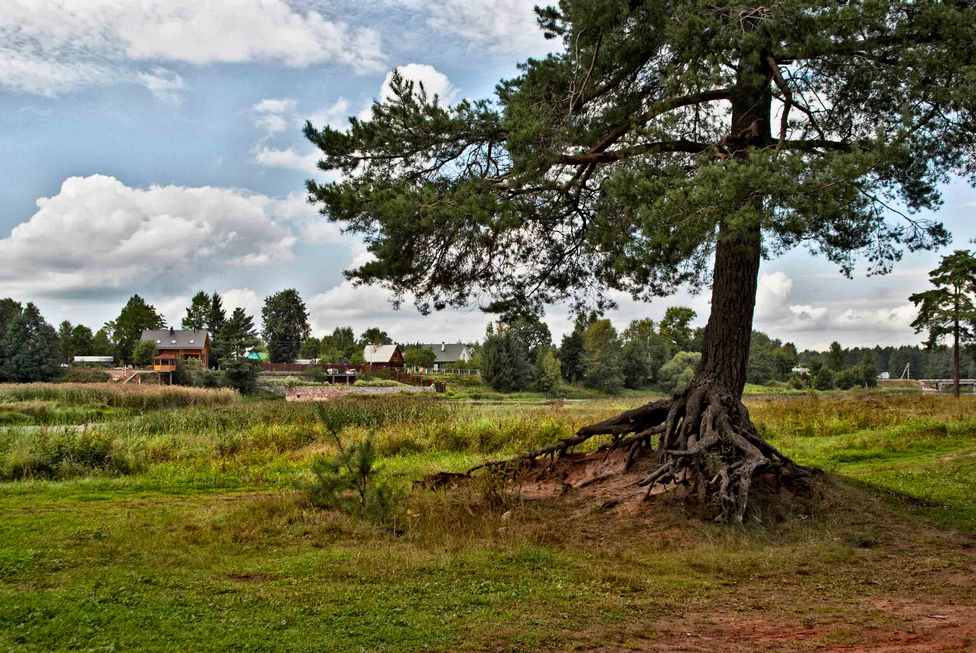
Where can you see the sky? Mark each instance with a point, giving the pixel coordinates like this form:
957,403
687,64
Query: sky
155,147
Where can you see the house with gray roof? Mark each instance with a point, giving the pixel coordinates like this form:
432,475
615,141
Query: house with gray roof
449,354
177,344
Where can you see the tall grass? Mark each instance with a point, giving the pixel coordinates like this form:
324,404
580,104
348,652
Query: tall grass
258,435
50,413
61,454
821,416
140,397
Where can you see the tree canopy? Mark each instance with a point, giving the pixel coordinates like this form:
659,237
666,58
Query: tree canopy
286,325
613,163
29,347
197,312
136,316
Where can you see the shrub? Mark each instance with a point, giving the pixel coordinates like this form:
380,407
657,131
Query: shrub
824,380
798,382
316,374
677,373
350,480
143,353
848,378
548,373
241,375
86,375
378,383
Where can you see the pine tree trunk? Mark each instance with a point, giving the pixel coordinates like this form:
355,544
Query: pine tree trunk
725,352
955,357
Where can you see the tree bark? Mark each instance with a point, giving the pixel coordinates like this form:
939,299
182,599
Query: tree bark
728,334
955,355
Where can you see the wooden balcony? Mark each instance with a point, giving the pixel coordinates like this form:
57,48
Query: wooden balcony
164,364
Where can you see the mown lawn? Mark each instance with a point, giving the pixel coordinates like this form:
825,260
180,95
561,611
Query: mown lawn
203,541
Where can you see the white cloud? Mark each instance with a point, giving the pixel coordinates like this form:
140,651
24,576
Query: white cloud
335,115
245,298
779,316
366,306
97,235
166,85
272,115
29,73
434,82
275,115
506,27
50,46
288,158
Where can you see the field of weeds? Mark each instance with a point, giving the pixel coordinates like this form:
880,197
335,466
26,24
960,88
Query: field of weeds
182,522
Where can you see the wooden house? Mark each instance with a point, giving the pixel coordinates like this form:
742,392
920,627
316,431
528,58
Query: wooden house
383,356
175,344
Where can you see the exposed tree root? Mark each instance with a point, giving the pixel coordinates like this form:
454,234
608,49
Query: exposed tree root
707,445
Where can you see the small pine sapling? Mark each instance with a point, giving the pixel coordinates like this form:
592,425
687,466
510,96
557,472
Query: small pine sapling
350,480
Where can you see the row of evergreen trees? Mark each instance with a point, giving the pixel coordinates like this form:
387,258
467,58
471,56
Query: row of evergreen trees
518,354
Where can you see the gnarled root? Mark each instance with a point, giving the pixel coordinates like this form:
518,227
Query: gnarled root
707,445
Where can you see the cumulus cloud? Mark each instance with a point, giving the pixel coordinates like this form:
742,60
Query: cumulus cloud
434,81
245,298
97,235
779,315
362,307
505,27
50,46
272,114
166,85
288,158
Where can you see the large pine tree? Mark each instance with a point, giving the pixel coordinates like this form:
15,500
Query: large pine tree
670,143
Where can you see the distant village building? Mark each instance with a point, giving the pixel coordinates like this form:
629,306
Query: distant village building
884,376
802,371
94,360
450,354
383,356
173,345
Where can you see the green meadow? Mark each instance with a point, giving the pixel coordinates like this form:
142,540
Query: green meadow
178,519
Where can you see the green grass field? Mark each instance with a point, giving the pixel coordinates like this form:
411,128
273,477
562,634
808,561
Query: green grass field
180,523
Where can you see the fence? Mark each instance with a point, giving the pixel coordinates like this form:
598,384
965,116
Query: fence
346,372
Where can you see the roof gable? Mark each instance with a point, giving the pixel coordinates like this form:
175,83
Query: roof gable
379,353
447,352
176,338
